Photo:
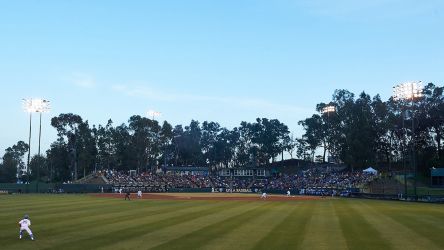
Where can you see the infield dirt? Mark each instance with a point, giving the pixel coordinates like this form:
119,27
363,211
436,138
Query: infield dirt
213,196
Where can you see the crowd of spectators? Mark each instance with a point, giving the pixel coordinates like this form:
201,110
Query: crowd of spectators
316,178
117,177
310,180
148,179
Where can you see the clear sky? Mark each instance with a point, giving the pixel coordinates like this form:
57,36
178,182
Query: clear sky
225,61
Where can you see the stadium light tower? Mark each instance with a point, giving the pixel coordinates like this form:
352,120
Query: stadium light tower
29,108
35,106
409,91
153,114
327,110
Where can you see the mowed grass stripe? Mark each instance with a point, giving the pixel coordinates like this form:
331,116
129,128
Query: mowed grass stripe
398,235
86,222
202,237
78,226
36,199
323,231
39,218
179,229
54,209
56,214
119,206
289,233
247,235
359,234
73,223
109,234
430,226
13,206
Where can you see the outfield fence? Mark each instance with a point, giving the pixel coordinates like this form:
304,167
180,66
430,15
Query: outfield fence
32,187
400,197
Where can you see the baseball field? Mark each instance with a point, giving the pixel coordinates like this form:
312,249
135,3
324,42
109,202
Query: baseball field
196,221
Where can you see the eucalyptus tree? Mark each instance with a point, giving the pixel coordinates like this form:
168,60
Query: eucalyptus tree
432,117
178,143
270,138
344,102
303,150
429,127
59,161
67,129
226,147
361,133
86,148
192,136
166,139
314,135
210,131
13,162
39,163
145,141
244,148
106,145
290,145
125,153
383,123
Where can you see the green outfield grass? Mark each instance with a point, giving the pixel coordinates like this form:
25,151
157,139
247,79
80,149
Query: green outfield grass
86,222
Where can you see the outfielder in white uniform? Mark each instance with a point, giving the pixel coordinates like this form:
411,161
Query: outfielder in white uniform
288,193
24,226
139,194
264,195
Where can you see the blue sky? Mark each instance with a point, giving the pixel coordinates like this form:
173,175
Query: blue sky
224,61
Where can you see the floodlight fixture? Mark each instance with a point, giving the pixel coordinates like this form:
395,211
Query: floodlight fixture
30,106
36,105
153,114
408,90
328,109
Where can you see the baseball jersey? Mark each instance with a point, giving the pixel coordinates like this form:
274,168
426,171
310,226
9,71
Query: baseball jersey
25,223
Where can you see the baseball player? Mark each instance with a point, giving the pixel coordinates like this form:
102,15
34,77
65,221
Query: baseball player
127,195
24,226
139,194
264,195
288,193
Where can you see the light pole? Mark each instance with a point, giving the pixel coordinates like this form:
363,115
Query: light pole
35,106
28,107
153,114
410,91
327,110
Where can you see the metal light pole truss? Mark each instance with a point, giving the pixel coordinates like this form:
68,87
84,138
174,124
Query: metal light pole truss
153,114
409,91
327,110
30,106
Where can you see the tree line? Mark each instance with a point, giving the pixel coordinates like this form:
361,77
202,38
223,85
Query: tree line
360,131
393,134
144,144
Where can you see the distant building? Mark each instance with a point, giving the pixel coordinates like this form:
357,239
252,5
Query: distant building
437,177
244,172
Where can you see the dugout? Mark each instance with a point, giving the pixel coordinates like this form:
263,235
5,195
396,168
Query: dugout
437,177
